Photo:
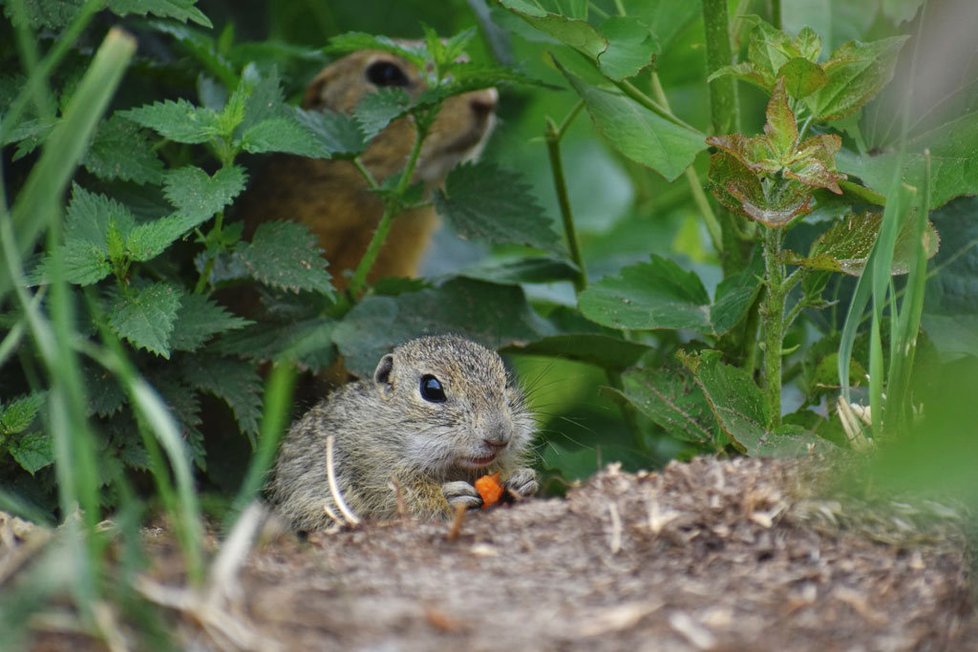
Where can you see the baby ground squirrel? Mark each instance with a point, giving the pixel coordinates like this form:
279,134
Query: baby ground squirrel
438,413
332,198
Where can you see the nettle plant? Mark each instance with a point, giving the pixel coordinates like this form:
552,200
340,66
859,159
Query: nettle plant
721,398
149,242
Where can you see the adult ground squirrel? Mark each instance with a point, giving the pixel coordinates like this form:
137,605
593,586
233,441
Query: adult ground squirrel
332,198
438,413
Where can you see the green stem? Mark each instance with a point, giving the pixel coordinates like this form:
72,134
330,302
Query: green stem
392,206
774,10
631,91
695,185
773,317
723,91
864,193
552,136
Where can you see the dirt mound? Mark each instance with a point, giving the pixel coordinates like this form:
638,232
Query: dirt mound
709,555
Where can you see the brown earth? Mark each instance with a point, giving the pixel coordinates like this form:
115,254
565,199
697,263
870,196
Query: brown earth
709,555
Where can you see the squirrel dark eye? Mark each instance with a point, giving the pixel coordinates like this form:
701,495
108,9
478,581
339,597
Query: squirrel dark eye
386,73
431,389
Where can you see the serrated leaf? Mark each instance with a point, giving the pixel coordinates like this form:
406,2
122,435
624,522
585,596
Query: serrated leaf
495,315
568,30
105,397
656,294
376,110
672,400
735,295
287,256
637,132
53,14
953,149
309,342
120,150
199,319
235,382
198,196
146,241
182,10
354,41
282,134
538,269
335,135
90,217
32,450
17,415
846,246
632,47
483,201
145,316
741,191
733,397
184,404
855,73
802,77
179,121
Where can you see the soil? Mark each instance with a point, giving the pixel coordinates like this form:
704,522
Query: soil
706,555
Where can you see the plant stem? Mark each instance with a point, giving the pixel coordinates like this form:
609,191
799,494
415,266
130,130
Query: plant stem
723,91
695,185
773,318
774,9
392,206
863,193
631,91
552,135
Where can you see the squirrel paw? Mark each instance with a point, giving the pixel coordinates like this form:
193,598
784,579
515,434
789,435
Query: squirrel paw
523,482
461,493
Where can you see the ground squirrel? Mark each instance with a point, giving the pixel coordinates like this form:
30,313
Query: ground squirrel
332,198
438,413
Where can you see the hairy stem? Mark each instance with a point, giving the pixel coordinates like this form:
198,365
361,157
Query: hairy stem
773,319
724,109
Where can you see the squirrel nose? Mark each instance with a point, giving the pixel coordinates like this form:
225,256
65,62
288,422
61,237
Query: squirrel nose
484,103
497,436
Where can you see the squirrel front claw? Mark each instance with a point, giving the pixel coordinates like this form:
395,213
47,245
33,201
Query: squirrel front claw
461,492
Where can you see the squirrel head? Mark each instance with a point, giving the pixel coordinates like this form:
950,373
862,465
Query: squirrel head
459,131
458,412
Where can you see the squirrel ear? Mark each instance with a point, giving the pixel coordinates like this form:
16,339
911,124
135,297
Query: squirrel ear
382,374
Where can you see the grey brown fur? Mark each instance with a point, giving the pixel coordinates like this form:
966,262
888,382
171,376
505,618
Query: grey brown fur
388,435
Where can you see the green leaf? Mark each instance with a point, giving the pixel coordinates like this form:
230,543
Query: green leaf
632,47
198,196
536,269
182,10
666,18
494,315
846,246
953,149
32,451
309,342
741,412
741,191
17,415
287,256
235,382
145,316
52,14
735,295
179,121
482,201
604,350
802,77
855,73
637,132
336,135
121,150
146,241
671,399
377,110
657,294
199,319
568,30
283,134
354,41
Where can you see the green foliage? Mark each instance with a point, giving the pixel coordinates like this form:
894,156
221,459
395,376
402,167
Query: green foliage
139,332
